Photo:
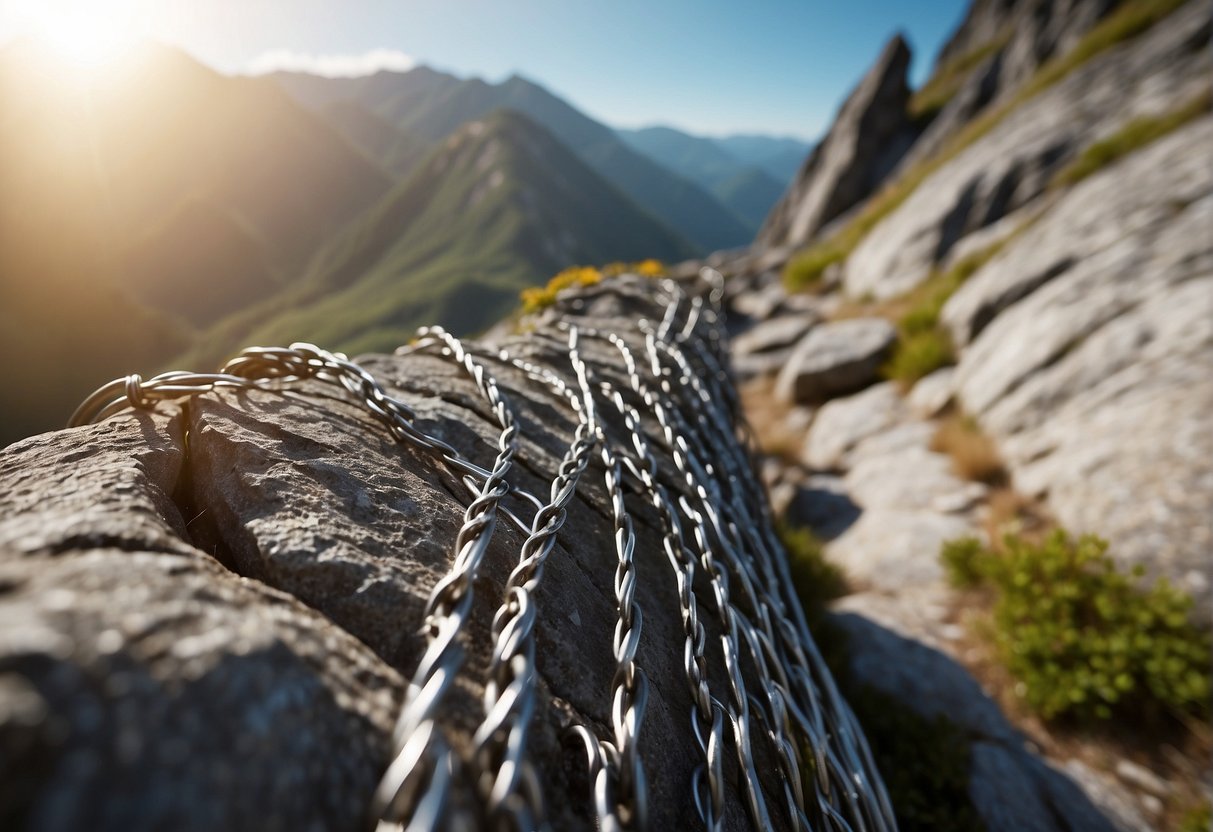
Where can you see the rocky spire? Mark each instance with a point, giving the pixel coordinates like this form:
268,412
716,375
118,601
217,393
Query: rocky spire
869,135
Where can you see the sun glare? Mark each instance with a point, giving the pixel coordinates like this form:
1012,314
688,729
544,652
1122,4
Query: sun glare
83,34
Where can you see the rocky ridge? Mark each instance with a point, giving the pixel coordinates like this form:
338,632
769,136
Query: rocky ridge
1084,353
214,609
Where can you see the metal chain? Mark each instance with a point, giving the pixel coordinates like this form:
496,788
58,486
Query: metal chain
509,695
778,693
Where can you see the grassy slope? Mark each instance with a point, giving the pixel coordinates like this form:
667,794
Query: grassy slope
213,189
480,219
433,105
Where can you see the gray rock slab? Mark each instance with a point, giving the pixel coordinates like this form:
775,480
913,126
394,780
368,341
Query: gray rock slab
911,479
1012,164
841,424
835,359
148,690
897,643
773,335
896,548
1098,382
932,393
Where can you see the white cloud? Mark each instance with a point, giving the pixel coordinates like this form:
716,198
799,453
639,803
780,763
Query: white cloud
332,66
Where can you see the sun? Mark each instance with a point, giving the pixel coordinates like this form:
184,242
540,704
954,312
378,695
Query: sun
83,34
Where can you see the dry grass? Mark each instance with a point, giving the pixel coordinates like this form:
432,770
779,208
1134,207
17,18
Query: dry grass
768,418
974,455
1010,512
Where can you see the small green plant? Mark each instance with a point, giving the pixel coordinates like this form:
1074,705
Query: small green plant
923,761
804,271
962,561
1197,819
918,355
1132,136
1082,638
817,581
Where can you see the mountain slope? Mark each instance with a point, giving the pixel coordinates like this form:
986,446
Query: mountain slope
781,158
163,132
499,206
394,149
745,189
751,193
432,105
151,201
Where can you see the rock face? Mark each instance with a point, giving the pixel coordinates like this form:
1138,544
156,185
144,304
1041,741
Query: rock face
834,359
1104,407
1013,164
1083,336
146,686
210,613
869,135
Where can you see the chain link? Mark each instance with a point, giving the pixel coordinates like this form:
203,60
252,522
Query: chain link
673,438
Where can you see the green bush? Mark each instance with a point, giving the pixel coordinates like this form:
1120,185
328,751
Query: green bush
962,561
918,355
1081,636
805,271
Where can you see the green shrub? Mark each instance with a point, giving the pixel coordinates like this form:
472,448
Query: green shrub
805,271
1083,639
924,762
1197,819
918,355
963,559
817,581
1132,136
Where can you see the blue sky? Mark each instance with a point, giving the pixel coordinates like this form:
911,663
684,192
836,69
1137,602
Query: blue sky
707,66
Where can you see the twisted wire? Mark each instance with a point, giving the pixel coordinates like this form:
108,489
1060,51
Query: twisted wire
715,528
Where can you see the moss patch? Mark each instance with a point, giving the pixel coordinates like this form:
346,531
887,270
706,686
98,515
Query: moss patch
1132,136
923,345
